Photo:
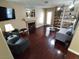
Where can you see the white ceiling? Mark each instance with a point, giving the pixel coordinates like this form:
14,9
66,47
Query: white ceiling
41,3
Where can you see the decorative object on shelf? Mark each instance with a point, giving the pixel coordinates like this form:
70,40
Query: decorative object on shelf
33,13
28,12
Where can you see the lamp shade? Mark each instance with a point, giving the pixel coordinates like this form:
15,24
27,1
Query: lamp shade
9,28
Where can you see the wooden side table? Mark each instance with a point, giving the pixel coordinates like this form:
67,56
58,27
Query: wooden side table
23,32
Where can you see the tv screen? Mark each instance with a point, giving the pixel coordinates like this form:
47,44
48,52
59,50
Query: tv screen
7,13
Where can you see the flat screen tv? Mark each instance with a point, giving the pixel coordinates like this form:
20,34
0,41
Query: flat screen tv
6,13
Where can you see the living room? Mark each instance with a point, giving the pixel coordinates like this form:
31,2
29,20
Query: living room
39,22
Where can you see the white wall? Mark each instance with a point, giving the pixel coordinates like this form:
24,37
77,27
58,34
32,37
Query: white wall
4,49
39,17
19,13
74,46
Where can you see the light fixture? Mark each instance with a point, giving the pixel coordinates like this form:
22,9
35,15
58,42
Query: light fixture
71,6
76,2
9,28
28,12
58,8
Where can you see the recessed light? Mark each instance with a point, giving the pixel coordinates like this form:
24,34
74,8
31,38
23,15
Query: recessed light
71,6
58,8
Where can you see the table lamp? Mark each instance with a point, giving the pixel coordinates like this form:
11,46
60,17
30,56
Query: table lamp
9,27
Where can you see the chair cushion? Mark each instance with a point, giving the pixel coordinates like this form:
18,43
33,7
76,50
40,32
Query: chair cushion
12,40
19,41
62,37
69,33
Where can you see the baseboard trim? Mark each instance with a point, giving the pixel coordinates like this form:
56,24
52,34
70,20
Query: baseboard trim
39,26
71,50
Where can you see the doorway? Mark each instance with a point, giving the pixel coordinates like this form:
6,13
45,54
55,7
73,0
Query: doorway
49,17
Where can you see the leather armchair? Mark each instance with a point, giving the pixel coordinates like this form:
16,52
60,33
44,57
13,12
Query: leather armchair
18,45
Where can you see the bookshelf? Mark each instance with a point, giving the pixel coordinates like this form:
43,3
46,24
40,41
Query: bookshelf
69,17
57,19
64,18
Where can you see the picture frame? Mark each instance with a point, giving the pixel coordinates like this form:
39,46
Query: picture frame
31,14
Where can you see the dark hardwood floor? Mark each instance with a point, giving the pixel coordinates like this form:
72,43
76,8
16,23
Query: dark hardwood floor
42,46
